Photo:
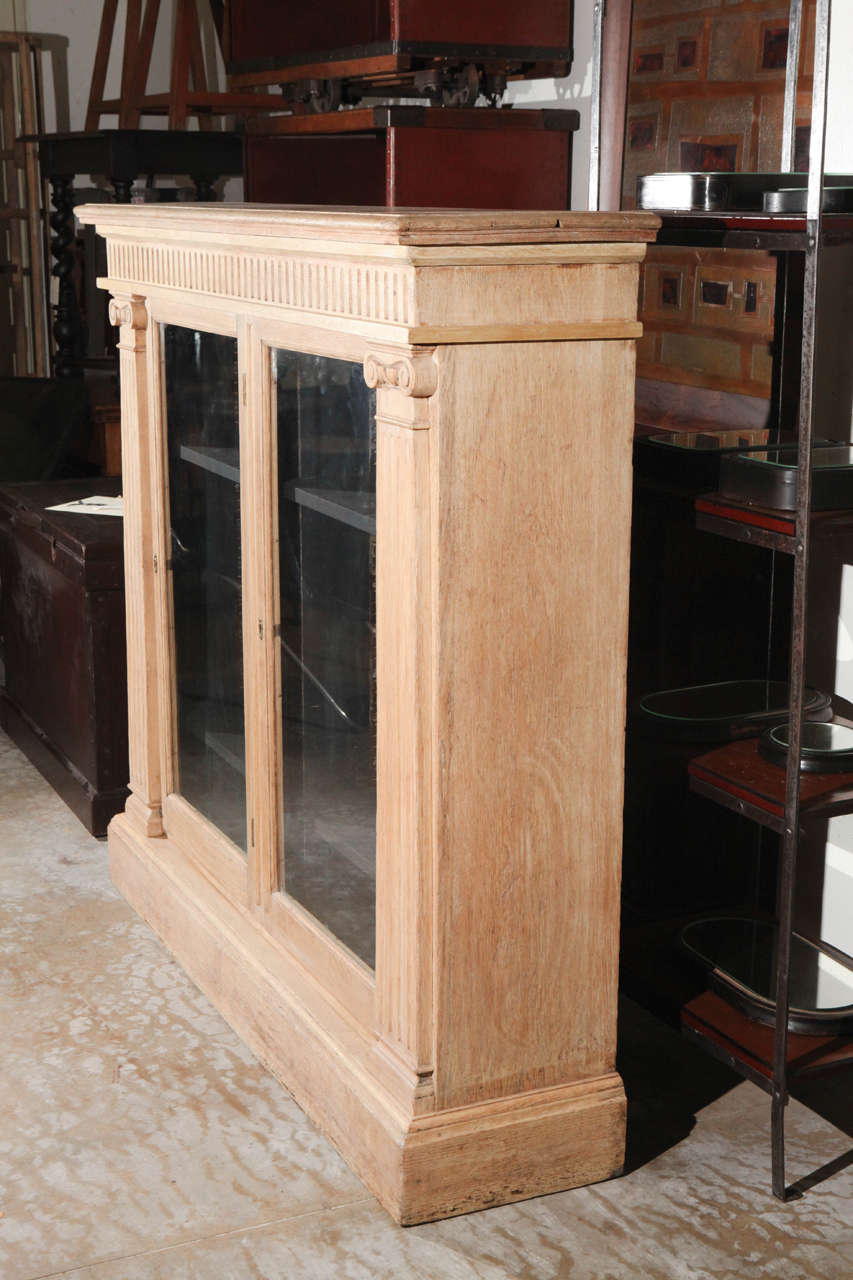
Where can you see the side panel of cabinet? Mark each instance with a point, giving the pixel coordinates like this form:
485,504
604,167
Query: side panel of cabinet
533,511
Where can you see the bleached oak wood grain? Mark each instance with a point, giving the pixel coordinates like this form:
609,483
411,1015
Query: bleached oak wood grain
532,510
363,226
476,1065
419,1166
129,312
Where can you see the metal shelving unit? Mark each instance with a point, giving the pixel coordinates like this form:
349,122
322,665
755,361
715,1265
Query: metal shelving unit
735,776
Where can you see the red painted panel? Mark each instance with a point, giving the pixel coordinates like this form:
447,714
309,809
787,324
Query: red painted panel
493,22
421,167
456,168
273,29
316,170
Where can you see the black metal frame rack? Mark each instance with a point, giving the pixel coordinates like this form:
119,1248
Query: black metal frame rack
718,774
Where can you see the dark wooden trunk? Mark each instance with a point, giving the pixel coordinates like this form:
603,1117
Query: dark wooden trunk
267,29
62,612
417,156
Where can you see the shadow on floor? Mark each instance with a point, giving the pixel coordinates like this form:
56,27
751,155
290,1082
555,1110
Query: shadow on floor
667,1080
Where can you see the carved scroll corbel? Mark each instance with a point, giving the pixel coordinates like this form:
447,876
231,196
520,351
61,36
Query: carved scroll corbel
131,314
412,373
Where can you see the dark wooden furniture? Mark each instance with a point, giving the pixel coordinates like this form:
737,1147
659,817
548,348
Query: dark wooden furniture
45,428
23,256
373,39
122,155
416,156
105,447
62,612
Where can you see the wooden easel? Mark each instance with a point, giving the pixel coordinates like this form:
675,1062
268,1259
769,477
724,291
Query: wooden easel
23,198
181,101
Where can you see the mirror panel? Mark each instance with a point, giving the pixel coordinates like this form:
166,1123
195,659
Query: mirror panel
706,93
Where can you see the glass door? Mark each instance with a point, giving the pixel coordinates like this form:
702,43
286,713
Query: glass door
325,420
202,449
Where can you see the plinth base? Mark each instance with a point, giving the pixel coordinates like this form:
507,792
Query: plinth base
420,1164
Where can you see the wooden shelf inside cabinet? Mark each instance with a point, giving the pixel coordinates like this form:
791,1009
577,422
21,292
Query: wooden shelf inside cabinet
347,506
219,462
230,747
738,778
747,1046
764,526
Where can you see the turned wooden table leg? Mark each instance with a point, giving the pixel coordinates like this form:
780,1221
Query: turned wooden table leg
67,326
203,187
122,189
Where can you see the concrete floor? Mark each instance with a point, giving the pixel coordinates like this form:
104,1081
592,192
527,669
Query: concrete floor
140,1140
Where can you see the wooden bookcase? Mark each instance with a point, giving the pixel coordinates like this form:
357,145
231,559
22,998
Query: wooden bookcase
377,476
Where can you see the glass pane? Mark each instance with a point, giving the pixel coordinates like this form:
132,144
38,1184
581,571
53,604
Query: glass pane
824,748
204,513
819,739
733,708
746,950
327,518
710,327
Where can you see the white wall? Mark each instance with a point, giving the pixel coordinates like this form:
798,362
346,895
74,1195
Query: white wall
78,22
837,898
839,136
12,15
837,906
575,90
